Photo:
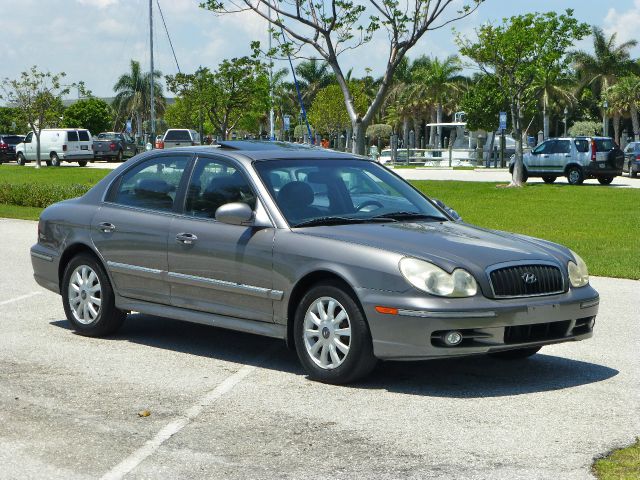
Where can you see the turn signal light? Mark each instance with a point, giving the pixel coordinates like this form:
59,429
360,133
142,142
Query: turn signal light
387,310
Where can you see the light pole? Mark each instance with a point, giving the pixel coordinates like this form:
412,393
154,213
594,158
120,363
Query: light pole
566,112
605,105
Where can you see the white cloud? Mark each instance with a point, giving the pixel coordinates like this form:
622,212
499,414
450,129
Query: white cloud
624,24
98,3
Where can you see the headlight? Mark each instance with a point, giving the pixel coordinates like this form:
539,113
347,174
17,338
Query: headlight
429,278
578,273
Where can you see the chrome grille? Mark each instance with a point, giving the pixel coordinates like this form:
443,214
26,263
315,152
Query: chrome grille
526,281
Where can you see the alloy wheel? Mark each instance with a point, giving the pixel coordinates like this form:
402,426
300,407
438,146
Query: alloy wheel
327,333
85,294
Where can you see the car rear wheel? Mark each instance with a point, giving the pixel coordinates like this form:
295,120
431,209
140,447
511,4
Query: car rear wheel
332,337
632,174
119,156
516,354
82,163
20,159
55,161
548,179
575,176
88,298
605,180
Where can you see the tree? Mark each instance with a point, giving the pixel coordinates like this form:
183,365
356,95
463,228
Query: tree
11,121
331,28
91,113
482,103
624,97
328,112
133,95
312,74
182,114
235,93
37,96
515,52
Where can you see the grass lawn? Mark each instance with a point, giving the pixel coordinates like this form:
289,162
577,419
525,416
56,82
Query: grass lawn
623,464
56,175
15,211
602,224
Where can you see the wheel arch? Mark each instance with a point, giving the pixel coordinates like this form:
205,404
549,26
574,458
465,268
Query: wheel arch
571,165
72,251
303,285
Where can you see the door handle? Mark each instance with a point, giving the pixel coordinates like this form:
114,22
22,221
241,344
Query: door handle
567,156
106,227
545,156
186,238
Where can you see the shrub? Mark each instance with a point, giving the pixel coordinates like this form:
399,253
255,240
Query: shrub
379,130
585,127
39,195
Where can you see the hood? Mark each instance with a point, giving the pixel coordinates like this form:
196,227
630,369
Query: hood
447,244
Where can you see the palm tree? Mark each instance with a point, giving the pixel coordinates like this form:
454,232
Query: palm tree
608,63
133,95
313,74
624,97
553,88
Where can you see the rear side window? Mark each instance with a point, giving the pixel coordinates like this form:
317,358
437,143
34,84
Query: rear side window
84,135
604,144
177,136
72,136
13,139
562,146
582,145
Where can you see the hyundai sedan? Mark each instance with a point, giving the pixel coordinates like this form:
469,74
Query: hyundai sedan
330,252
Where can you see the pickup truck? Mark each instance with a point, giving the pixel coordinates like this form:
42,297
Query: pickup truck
113,146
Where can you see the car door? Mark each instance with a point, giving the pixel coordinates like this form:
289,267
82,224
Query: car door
213,266
30,146
539,156
130,229
559,157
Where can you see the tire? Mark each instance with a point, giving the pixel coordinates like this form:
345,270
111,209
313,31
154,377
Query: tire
548,179
82,163
605,180
82,274
48,162
119,156
346,316
517,354
575,176
632,174
20,159
525,174
55,160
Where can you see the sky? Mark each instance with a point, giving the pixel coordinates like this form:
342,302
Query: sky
94,40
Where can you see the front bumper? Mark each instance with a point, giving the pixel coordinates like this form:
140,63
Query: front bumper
487,325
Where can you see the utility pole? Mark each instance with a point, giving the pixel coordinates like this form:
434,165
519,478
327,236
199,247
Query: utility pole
152,140
271,128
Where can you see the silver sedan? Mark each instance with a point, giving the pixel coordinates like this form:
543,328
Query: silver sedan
333,253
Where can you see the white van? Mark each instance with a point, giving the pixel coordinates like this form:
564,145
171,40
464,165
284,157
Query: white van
57,145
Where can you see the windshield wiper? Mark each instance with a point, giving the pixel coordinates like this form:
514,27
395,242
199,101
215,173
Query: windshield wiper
409,215
333,220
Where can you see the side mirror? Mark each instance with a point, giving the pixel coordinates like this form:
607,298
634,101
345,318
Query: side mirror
452,213
236,213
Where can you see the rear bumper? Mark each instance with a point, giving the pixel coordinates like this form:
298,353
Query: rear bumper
76,157
486,325
45,263
596,170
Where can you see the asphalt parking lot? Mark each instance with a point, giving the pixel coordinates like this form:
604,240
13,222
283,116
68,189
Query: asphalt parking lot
230,405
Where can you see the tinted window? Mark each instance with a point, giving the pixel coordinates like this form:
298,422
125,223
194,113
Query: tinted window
72,136
177,136
13,139
152,184
562,146
604,144
28,137
544,147
106,136
582,145
214,183
84,135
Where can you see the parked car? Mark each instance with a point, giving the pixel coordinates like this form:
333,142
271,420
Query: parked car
179,137
8,146
577,158
57,145
632,159
331,252
114,146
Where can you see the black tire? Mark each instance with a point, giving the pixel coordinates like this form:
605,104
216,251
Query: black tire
575,175
48,162
119,156
108,318
82,163
517,354
605,180
20,159
55,160
359,360
548,178
632,174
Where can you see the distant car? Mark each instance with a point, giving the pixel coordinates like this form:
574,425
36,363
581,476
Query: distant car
8,146
57,145
331,252
577,158
632,159
114,146
179,137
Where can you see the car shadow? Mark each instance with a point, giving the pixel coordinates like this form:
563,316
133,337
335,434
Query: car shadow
465,377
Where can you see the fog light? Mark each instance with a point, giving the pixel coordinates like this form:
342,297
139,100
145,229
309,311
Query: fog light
592,322
452,338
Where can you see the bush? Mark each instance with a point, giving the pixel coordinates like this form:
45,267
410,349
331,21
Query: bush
585,128
379,130
39,195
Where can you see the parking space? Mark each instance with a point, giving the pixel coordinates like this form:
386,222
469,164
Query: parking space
229,405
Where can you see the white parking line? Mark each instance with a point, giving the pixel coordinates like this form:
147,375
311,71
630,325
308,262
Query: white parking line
136,458
21,297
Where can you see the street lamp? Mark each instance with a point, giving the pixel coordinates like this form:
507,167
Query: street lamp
605,105
566,112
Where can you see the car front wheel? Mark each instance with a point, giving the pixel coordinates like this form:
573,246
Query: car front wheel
88,298
55,160
332,337
20,159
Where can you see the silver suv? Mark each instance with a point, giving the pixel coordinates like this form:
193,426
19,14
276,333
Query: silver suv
577,158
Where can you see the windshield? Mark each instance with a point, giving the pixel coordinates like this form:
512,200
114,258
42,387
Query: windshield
321,191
